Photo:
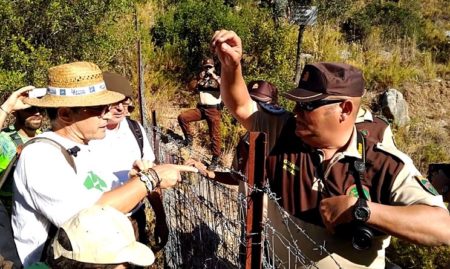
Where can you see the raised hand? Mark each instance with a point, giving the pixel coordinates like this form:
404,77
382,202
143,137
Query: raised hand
228,47
15,100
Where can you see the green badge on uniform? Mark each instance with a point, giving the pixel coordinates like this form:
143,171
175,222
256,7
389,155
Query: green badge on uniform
353,191
364,132
427,185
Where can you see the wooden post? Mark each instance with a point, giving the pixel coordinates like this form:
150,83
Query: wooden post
155,138
140,72
256,176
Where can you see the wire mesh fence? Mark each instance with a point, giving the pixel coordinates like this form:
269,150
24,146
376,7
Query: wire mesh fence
210,223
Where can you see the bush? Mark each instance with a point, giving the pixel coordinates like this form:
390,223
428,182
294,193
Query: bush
395,20
409,255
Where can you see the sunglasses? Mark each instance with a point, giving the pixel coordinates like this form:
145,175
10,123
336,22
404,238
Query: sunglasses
98,111
310,106
34,110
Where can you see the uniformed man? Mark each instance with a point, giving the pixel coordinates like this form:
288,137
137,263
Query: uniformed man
327,174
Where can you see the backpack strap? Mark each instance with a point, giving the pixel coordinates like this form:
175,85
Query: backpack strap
137,132
15,137
7,177
12,164
64,151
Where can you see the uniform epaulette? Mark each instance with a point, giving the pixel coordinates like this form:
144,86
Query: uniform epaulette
383,118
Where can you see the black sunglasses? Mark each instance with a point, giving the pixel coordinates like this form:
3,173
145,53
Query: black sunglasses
35,110
310,106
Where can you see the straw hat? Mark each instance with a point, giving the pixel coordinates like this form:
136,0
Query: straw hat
77,84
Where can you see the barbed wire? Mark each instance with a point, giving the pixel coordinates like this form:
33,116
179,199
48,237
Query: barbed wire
207,219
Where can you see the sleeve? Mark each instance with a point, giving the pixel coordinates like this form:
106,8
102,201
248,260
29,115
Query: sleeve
267,123
53,187
410,188
147,149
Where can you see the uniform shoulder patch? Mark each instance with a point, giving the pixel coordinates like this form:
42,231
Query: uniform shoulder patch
353,191
426,184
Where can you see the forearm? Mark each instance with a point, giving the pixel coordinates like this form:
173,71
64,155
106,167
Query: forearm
125,197
4,111
420,224
235,95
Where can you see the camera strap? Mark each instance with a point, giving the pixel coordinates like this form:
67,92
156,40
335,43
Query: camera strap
360,165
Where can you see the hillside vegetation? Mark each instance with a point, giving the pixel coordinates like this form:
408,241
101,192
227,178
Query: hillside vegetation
398,44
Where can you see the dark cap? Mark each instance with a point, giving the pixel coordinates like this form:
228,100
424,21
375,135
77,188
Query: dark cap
320,80
263,91
208,62
117,83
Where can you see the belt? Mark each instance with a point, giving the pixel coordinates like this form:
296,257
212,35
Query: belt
208,106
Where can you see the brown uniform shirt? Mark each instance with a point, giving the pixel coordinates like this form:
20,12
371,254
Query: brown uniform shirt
297,176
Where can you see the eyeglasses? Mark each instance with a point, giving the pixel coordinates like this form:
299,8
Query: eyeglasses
310,106
127,105
98,111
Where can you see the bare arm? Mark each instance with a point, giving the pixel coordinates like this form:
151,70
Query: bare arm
405,222
127,196
420,224
13,103
228,47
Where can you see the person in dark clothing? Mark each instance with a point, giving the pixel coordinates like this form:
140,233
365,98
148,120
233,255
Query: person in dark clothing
208,108
326,173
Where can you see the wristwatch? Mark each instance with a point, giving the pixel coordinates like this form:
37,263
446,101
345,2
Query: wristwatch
361,211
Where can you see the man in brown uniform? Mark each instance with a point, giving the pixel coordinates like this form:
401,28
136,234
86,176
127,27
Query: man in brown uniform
208,108
327,174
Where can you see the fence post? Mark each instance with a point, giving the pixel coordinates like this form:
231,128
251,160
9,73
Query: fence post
256,176
155,138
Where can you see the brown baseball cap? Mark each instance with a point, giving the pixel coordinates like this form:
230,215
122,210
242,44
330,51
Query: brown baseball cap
263,91
320,80
118,83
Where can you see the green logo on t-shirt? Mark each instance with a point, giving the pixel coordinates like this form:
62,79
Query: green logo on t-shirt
94,181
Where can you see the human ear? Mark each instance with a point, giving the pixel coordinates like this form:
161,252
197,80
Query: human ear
66,114
347,108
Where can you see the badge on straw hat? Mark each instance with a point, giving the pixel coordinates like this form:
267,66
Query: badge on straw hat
77,84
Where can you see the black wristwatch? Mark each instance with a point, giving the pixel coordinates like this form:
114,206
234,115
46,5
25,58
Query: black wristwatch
361,211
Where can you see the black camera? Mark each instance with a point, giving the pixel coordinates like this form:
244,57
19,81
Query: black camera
358,233
362,236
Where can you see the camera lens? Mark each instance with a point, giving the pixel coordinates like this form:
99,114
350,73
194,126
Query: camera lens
362,238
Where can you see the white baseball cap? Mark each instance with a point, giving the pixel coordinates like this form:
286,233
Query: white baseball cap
103,235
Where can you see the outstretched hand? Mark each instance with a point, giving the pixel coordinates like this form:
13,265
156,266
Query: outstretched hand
170,174
201,168
228,47
15,100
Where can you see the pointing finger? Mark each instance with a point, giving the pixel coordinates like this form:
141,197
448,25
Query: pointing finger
187,168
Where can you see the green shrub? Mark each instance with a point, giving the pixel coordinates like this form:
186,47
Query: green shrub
408,255
396,20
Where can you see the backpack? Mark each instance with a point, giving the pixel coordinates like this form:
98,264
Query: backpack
8,249
6,178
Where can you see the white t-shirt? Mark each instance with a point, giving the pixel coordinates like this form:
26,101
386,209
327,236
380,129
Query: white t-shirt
118,151
47,190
